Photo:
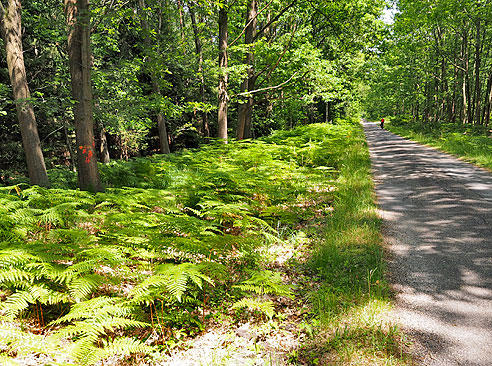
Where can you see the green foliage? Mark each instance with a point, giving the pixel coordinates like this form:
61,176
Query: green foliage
262,283
351,302
171,235
265,282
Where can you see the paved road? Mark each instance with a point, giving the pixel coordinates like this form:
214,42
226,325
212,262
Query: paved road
437,215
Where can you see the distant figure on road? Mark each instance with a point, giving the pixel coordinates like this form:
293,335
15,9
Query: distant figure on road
382,122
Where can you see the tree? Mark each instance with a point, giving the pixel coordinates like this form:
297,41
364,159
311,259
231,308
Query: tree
223,77
440,59
245,109
199,54
78,21
11,30
161,121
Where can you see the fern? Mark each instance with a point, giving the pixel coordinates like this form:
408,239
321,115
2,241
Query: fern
21,300
171,280
14,341
266,282
147,245
95,319
264,306
120,346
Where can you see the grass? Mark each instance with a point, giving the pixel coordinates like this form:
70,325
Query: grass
353,301
470,143
178,244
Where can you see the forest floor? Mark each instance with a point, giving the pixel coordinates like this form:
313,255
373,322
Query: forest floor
261,252
436,211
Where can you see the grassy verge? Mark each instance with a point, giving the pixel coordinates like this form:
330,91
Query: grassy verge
352,301
471,143
262,240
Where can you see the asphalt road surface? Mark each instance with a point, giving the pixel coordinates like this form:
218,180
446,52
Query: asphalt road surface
437,213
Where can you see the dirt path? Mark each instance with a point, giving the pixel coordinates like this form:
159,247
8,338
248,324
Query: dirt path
437,215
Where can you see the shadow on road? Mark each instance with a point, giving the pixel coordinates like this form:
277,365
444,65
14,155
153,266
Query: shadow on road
438,220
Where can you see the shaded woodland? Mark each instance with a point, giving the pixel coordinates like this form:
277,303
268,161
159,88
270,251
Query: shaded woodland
132,78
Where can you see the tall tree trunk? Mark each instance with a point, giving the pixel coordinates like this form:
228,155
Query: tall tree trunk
223,97
181,24
477,72
444,90
103,145
486,110
465,87
161,121
69,147
452,108
245,110
79,52
11,29
199,53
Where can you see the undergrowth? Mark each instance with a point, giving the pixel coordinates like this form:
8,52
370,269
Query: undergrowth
350,306
133,271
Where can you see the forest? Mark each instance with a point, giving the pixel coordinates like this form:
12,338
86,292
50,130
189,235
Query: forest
175,170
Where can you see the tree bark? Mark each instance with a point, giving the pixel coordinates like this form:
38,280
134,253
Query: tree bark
11,30
223,96
245,110
103,145
488,94
161,121
477,72
181,25
199,53
78,21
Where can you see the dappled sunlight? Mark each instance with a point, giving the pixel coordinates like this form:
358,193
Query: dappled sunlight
437,214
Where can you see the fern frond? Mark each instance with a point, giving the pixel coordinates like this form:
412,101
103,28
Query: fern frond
16,303
266,282
26,216
11,203
15,275
126,346
80,288
87,354
14,257
171,278
98,327
265,307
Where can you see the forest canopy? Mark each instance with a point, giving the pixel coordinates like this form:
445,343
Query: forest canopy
165,75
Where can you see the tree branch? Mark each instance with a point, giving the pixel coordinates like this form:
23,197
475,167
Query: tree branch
277,17
271,87
246,26
327,18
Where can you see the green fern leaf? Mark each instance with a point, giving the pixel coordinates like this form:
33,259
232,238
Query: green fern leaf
265,307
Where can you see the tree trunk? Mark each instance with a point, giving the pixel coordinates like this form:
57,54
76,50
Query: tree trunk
205,129
11,30
245,110
486,110
78,21
161,121
181,25
452,108
465,87
103,146
223,97
69,147
477,73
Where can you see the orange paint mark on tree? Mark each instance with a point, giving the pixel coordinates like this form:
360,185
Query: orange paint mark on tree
87,150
